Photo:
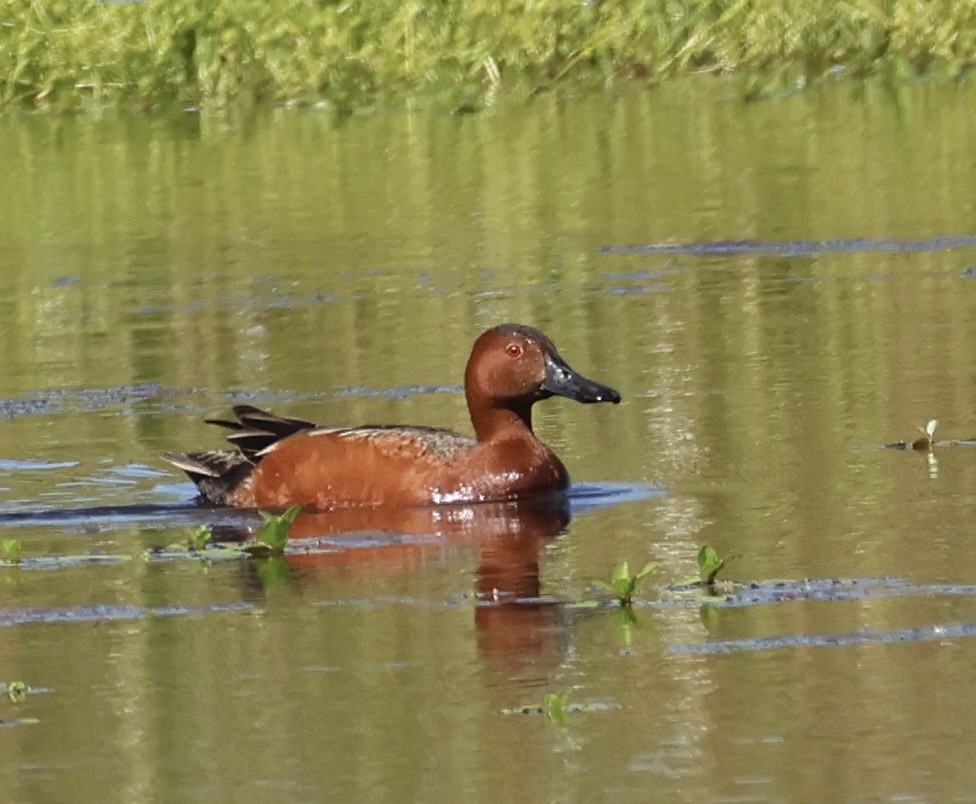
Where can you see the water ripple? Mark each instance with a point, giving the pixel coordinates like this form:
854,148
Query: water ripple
100,612
926,633
796,248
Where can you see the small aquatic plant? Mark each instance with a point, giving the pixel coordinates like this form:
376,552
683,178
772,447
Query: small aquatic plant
11,550
624,585
273,536
710,563
16,691
199,537
555,704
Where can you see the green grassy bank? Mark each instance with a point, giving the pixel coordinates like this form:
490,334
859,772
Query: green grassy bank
69,53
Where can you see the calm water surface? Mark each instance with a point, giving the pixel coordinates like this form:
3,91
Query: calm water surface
770,287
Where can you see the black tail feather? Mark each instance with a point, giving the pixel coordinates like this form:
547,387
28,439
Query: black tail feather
218,473
256,430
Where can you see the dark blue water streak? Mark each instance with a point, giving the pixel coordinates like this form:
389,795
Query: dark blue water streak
796,248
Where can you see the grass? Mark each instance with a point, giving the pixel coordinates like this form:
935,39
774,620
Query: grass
77,53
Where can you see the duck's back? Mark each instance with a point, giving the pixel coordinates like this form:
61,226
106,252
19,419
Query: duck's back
328,468
371,465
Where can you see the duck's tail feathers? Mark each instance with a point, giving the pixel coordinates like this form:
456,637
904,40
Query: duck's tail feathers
256,430
218,474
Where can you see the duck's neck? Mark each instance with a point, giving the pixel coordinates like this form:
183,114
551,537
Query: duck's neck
493,422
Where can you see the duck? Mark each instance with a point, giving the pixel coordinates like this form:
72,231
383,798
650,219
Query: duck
279,461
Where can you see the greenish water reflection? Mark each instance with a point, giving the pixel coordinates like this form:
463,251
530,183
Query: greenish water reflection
156,270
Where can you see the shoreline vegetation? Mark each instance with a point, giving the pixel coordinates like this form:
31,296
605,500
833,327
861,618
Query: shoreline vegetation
77,54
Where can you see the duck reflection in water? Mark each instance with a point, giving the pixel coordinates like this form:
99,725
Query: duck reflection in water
515,626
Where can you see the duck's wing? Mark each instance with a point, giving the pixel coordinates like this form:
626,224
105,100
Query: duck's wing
399,439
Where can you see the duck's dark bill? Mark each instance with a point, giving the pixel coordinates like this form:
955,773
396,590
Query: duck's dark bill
562,380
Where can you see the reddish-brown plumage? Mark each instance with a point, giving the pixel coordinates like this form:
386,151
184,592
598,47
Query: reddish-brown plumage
283,461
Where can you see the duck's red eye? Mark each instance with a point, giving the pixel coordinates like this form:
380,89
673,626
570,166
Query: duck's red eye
513,350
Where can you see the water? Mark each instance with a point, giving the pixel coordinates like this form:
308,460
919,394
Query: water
777,289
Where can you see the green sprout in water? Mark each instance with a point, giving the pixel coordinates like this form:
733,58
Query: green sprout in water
11,550
555,706
711,564
624,585
16,691
199,537
273,536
